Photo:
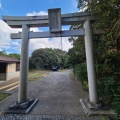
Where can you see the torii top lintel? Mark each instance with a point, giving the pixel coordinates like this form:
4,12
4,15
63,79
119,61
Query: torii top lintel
42,21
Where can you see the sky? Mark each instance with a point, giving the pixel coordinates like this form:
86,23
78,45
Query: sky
32,8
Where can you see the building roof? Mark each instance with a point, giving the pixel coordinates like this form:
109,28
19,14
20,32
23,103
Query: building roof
6,59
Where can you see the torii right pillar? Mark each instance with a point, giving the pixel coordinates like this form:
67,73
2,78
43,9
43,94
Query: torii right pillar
93,106
92,81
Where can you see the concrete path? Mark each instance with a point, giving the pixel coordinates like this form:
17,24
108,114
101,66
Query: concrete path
58,95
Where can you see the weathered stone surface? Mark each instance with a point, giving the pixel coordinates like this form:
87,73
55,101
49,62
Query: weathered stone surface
42,21
46,117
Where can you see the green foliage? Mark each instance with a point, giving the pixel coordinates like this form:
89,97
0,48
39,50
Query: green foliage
14,55
109,91
62,56
4,95
31,65
80,72
67,62
106,48
77,53
48,57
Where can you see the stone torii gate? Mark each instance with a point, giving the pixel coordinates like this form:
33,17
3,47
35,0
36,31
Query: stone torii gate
54,20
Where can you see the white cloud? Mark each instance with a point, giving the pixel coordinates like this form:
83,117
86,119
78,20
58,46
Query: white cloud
37,13
15,43
74,4
53,43
5,30
4,34
35,30
2,8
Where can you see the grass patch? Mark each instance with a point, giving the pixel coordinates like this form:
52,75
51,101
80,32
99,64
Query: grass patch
35,77
37,74
4,95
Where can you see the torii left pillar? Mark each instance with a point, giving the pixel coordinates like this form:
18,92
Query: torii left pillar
23,105
24,60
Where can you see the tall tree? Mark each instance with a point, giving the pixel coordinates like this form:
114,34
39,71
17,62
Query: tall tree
14,55
48,57
3,53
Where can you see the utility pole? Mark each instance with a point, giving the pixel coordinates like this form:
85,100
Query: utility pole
61,43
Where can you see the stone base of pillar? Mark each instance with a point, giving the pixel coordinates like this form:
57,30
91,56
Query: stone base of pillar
96,109
21,108
99,105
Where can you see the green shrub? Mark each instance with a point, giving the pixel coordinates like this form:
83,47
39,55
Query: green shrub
108,86
80,72
111,94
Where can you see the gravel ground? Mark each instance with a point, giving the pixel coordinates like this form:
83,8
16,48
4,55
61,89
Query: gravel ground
58,97
46,117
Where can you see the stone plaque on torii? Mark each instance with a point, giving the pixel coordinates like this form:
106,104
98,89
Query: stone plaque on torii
54,16
54,20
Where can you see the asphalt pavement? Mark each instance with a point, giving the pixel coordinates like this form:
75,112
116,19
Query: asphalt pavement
58,96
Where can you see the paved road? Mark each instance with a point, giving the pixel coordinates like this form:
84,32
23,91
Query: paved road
58,95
